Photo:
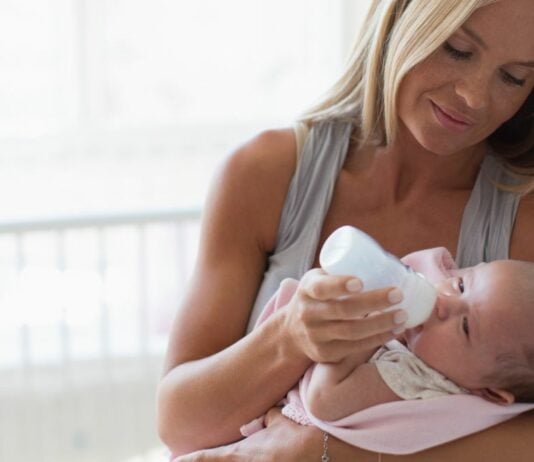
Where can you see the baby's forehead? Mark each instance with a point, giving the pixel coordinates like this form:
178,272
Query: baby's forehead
507,283
510,283
510,270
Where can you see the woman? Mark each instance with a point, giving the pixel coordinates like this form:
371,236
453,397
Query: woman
434,109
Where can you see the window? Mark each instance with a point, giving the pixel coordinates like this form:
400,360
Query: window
125,105
108,105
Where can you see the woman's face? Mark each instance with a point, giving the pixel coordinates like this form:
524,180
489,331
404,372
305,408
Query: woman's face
472,84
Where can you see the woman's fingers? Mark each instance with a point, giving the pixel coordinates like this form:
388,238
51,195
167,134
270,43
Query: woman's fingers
387,323
342,297
222,453
318,285
283,439
329,313
354,306
272,416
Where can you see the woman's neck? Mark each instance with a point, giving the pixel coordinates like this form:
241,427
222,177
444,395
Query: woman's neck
406,170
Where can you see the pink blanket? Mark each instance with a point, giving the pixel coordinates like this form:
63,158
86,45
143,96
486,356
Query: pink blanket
405,427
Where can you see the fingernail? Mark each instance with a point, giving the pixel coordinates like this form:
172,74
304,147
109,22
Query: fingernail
354,285
398,330
395,296
400,317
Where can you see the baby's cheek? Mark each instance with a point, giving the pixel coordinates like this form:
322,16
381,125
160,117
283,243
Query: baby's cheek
430,349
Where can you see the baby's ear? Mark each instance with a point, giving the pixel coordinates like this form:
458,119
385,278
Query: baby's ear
496,395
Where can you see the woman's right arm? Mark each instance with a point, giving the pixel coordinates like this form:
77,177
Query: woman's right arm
216,379
214,382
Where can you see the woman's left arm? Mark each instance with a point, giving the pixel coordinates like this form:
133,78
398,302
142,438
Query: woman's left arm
521,243
285,440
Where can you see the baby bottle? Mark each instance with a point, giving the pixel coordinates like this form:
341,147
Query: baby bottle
349,251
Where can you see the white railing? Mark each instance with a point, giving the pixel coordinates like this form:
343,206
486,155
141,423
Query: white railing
78,373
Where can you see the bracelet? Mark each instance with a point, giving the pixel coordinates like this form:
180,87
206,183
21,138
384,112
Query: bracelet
325,457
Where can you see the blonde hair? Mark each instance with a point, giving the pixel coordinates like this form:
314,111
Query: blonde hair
396,36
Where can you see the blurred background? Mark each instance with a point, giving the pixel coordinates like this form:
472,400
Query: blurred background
114,115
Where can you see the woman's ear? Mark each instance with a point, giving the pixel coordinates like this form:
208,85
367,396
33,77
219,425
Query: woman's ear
496,395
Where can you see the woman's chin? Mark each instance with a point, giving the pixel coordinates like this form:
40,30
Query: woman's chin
440,149
440,143
432,139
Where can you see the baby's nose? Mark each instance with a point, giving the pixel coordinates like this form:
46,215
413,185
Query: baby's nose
448,305
442,309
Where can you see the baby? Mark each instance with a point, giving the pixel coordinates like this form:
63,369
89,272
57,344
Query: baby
477,340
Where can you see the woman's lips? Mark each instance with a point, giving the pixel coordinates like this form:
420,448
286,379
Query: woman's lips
449,121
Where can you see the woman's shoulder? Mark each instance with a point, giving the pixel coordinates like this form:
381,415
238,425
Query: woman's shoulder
252,182
262,166
521,243
267,152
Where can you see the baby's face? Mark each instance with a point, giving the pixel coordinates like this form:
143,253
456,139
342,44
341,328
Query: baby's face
479,313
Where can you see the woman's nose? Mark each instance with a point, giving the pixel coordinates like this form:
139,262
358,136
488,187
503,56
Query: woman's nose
474,90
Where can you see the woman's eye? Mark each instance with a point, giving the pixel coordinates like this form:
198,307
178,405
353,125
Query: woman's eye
455,53
510,79
461,287
465,326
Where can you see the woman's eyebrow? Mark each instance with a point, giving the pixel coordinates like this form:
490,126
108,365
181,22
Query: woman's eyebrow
474,36
524,63
483,45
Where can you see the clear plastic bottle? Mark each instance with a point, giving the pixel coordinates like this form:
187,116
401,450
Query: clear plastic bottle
349,251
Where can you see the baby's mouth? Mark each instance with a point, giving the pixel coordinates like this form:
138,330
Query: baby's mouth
412,332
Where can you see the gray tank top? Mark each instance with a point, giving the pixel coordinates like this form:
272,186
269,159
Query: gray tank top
485,230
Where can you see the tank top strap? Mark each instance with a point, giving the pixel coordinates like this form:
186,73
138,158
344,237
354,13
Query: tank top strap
488,217
311,188
308,198
301,131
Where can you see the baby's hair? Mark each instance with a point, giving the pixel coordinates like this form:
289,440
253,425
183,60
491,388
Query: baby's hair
515,368
515,373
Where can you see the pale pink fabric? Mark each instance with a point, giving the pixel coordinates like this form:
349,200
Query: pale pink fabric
400,427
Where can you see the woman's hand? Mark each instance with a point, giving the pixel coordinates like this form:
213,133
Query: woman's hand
281,440
329,318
